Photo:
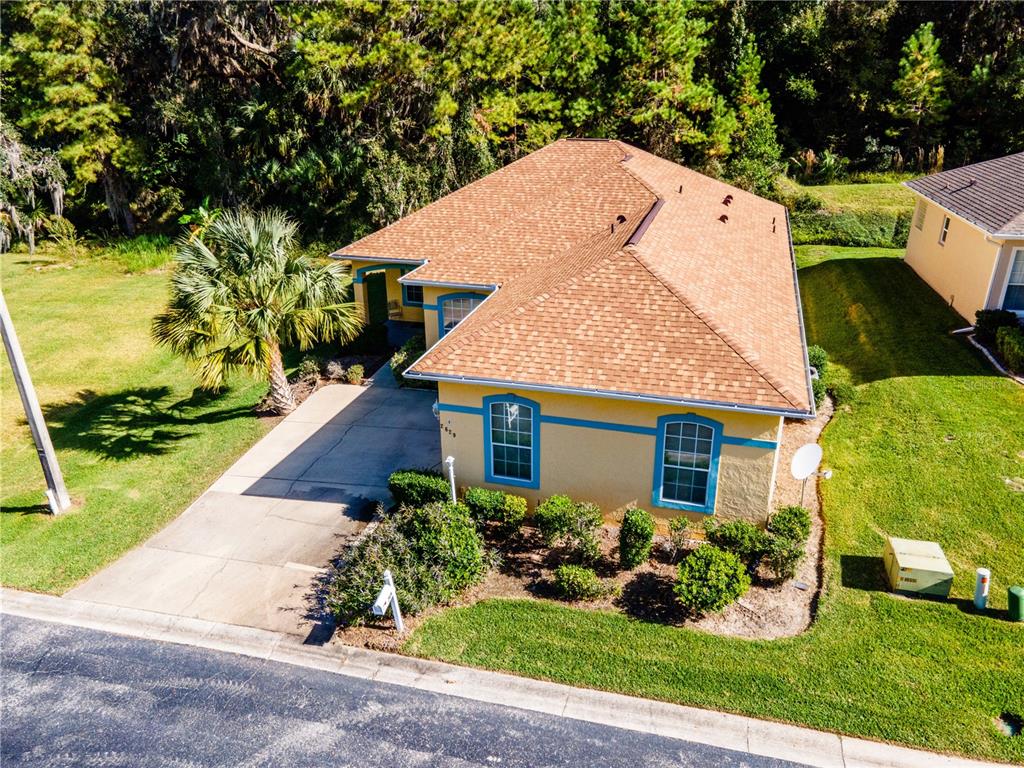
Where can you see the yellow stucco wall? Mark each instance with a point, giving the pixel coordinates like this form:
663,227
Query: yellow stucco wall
612,468
1001,273
960,271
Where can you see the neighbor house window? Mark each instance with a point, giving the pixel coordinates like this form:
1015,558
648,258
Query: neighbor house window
1014,298
945,230
512,430
455,309
686,468
413,295
922,207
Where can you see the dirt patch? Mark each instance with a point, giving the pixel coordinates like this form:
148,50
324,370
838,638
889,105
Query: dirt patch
768,611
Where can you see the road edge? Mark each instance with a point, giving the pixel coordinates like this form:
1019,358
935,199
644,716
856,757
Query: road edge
718,729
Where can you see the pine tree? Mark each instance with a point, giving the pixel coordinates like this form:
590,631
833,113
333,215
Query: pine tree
920,89
756,160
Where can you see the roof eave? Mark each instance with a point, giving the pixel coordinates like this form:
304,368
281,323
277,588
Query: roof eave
788,413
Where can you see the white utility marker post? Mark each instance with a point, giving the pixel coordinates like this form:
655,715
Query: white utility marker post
450,463
56,491
388,598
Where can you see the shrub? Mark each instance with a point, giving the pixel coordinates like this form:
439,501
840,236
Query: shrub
444,537
354,374
574,526
1010,343
818,389
356,584
406,355
484,503
309,368
793,523
574,582
818,359
784,555
636,535
839,384
416,487
987,323
745,540
678,534
881,229
511,515
710,579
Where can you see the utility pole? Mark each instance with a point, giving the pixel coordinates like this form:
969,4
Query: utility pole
56,491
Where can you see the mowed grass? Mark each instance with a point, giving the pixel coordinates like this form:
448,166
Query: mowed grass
924,453
884,197
135,442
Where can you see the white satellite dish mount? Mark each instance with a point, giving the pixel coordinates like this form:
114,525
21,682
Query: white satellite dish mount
805,464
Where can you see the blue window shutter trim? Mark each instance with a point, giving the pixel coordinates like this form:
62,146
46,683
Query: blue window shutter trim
534,481
708,508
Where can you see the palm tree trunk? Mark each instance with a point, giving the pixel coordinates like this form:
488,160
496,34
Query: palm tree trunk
281,394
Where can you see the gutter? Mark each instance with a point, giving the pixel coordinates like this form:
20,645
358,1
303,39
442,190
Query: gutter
442,284
378,259
800,318
554,389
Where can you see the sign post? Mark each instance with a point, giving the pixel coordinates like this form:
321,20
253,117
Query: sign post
56,491
450,463
388,598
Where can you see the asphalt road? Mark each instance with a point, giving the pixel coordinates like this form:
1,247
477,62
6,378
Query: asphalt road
77,697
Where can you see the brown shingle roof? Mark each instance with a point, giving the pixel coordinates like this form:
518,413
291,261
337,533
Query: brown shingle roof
673,303
989,194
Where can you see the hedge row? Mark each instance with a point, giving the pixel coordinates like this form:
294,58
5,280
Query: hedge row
876,229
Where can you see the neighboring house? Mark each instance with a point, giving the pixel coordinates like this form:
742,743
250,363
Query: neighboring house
603,323
967,236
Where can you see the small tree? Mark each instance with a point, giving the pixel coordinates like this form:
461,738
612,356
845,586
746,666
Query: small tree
920,88
242,290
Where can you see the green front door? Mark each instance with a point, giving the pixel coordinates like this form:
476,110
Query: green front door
376,288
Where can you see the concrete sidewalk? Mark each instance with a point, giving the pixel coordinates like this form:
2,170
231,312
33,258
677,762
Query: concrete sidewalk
735,732
249,549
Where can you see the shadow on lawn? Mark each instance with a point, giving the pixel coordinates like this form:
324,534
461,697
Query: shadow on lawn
878,319
133,422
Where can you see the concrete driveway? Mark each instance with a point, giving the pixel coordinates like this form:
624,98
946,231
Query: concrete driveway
249,550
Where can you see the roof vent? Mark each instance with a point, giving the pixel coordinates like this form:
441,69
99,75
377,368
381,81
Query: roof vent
680,189
723,218
773,223
620,219
727,200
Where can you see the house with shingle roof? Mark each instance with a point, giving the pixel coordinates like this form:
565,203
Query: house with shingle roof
603,323
967,236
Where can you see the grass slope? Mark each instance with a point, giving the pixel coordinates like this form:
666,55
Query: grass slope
136,444
887,197
922,453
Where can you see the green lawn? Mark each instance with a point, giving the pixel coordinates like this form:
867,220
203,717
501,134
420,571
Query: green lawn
886,197
134,440
922,453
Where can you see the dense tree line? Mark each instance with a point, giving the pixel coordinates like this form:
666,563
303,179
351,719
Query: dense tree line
349,115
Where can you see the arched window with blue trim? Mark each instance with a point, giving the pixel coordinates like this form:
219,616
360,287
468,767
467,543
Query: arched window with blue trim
686,463
512,441
453,308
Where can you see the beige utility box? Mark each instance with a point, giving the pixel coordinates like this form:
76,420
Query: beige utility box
917,567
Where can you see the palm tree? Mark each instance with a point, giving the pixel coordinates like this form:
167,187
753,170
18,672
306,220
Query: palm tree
242,290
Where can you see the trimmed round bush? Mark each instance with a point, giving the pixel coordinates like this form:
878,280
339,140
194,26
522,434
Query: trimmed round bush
710,579
512,514
745,540
817,358
575,582
354,374
793,523
484,503
574,526
784,557
416,487
636,535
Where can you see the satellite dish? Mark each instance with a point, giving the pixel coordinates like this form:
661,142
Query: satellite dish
805,461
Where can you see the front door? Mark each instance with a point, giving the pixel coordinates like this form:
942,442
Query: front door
376,288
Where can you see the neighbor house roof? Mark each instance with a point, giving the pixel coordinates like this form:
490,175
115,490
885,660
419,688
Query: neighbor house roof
619,273
988,194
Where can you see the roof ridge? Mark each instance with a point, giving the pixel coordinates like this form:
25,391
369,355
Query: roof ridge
706,317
